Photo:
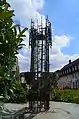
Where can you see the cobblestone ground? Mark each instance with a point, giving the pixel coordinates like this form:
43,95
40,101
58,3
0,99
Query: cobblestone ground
58,110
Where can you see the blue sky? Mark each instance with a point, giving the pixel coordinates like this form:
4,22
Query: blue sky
64,16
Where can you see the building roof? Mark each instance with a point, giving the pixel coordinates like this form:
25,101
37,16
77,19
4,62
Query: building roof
75,62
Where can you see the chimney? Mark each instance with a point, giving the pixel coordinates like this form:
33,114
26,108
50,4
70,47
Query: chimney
69,61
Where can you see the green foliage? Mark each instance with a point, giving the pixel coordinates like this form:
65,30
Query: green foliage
11,37
17,73
65,96
20,94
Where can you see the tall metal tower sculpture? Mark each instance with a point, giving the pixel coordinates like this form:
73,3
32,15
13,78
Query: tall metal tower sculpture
40,39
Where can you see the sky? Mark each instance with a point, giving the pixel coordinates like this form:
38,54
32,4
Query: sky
64,17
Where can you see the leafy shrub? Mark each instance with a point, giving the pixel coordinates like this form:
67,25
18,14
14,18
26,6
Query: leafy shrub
19,93
65,95
11,37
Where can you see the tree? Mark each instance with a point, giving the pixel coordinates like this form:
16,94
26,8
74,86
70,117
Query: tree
11,37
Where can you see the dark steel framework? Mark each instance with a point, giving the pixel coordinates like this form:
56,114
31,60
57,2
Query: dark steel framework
40,39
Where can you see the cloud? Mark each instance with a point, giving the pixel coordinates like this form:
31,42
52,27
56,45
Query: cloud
57,44
24,11
57,58
24,55
59,61
24,62
62,41
38,4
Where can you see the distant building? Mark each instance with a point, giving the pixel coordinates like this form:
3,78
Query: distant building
69,75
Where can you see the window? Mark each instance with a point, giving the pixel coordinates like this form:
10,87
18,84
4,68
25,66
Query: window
65,71
62,72
69,69
72,68
75,67
78,66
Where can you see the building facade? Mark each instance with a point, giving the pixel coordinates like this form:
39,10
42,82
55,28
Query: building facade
69,76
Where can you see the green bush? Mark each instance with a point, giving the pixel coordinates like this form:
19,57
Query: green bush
11,37
19,93
65,95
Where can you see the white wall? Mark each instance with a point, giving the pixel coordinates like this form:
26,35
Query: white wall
68,80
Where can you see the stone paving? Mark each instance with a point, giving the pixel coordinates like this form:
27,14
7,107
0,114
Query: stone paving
58,110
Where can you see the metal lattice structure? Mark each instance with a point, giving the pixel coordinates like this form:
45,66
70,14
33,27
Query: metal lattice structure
40,41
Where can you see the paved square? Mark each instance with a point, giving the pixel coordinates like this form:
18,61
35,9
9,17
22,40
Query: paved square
58,110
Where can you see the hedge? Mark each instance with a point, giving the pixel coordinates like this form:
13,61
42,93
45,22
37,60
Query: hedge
66,95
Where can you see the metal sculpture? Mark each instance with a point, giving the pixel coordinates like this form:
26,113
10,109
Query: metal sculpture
40,39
